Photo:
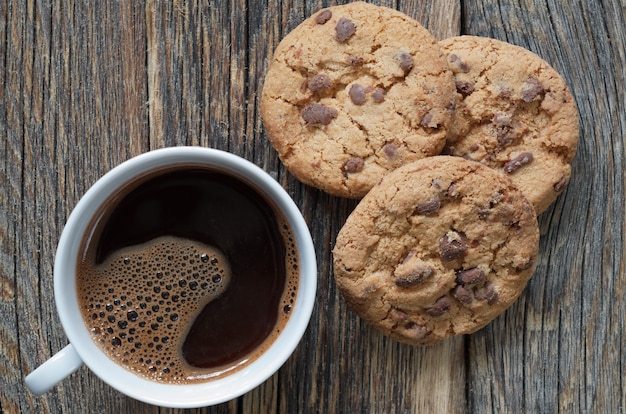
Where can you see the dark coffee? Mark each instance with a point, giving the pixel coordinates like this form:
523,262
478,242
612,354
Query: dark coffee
187,274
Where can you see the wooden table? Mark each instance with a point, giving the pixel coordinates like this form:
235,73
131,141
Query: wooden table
86,86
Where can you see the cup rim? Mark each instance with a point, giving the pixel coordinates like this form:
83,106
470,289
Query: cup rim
182,395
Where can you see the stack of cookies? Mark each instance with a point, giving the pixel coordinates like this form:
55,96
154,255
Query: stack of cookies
453,147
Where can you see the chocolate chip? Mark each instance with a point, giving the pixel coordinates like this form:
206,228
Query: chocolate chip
357,94
528,264
319,82
409,256
441,306
452,246
426,119
304,86
429,207
416,331
354,60
560,185
497,198
323,16
452,191
456,64
369,289
411,271
504,92
413,277
501,119
531,89
486,292
448,150
464,88
429,121
483,213
345,29
390,149
502,123
462,294
317,113
437,183
353,165
379,95
518,162
470,276
398,315
406,62
505,136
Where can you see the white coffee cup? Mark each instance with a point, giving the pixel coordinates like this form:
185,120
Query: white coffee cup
83,350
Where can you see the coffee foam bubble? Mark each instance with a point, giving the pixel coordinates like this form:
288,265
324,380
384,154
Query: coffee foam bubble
141,321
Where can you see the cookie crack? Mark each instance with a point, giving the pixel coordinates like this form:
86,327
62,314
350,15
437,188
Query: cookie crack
302,70
361,127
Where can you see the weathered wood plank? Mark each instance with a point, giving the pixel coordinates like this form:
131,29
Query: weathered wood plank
441,18
108,114
74,103
567,350
18,274
175,76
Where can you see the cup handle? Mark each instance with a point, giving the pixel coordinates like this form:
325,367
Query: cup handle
47,375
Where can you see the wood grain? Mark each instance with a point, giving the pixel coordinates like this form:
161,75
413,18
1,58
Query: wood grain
567,329
84,87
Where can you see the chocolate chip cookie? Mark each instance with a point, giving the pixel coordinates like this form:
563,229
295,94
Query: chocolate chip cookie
514,113
440,247
353,92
